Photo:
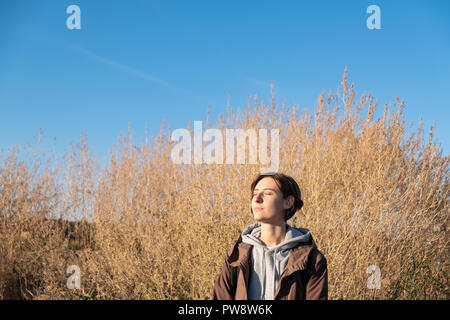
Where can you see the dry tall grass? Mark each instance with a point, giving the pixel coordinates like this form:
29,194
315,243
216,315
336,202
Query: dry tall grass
158,230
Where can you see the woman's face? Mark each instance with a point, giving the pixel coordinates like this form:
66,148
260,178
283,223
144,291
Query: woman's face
268,203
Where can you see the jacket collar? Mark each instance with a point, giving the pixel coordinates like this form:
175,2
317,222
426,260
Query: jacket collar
240,253
298,257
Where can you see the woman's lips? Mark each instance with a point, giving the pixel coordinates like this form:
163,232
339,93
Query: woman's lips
257,208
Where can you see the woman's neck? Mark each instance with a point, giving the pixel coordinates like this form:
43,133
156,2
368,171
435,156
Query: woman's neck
273,234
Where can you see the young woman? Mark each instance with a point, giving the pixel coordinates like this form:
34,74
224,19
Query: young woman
272,260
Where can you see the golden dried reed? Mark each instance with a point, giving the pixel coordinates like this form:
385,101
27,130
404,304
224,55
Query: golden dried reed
145,228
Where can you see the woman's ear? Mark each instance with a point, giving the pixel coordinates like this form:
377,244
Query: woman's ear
289,202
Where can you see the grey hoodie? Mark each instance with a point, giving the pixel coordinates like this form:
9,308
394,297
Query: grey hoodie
268,263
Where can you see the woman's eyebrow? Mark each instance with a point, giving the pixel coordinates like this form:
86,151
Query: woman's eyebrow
265,189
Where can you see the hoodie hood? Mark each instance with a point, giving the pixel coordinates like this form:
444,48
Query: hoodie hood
252,235
268,263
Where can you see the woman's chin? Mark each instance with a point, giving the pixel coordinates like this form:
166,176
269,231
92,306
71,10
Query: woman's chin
260,218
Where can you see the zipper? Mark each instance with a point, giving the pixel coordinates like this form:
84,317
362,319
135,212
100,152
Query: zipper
282,277
283,274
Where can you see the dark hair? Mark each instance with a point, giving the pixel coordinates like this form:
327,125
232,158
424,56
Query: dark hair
288,187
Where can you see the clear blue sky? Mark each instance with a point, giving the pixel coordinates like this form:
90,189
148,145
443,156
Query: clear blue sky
140,61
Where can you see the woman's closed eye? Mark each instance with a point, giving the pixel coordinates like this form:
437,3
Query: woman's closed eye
265,194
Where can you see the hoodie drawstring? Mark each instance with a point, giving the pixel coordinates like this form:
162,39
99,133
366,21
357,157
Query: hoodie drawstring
275,271
263,291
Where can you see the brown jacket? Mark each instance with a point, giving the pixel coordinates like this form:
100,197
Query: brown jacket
305,276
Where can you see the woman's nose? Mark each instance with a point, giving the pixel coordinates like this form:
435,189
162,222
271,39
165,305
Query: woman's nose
258,199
